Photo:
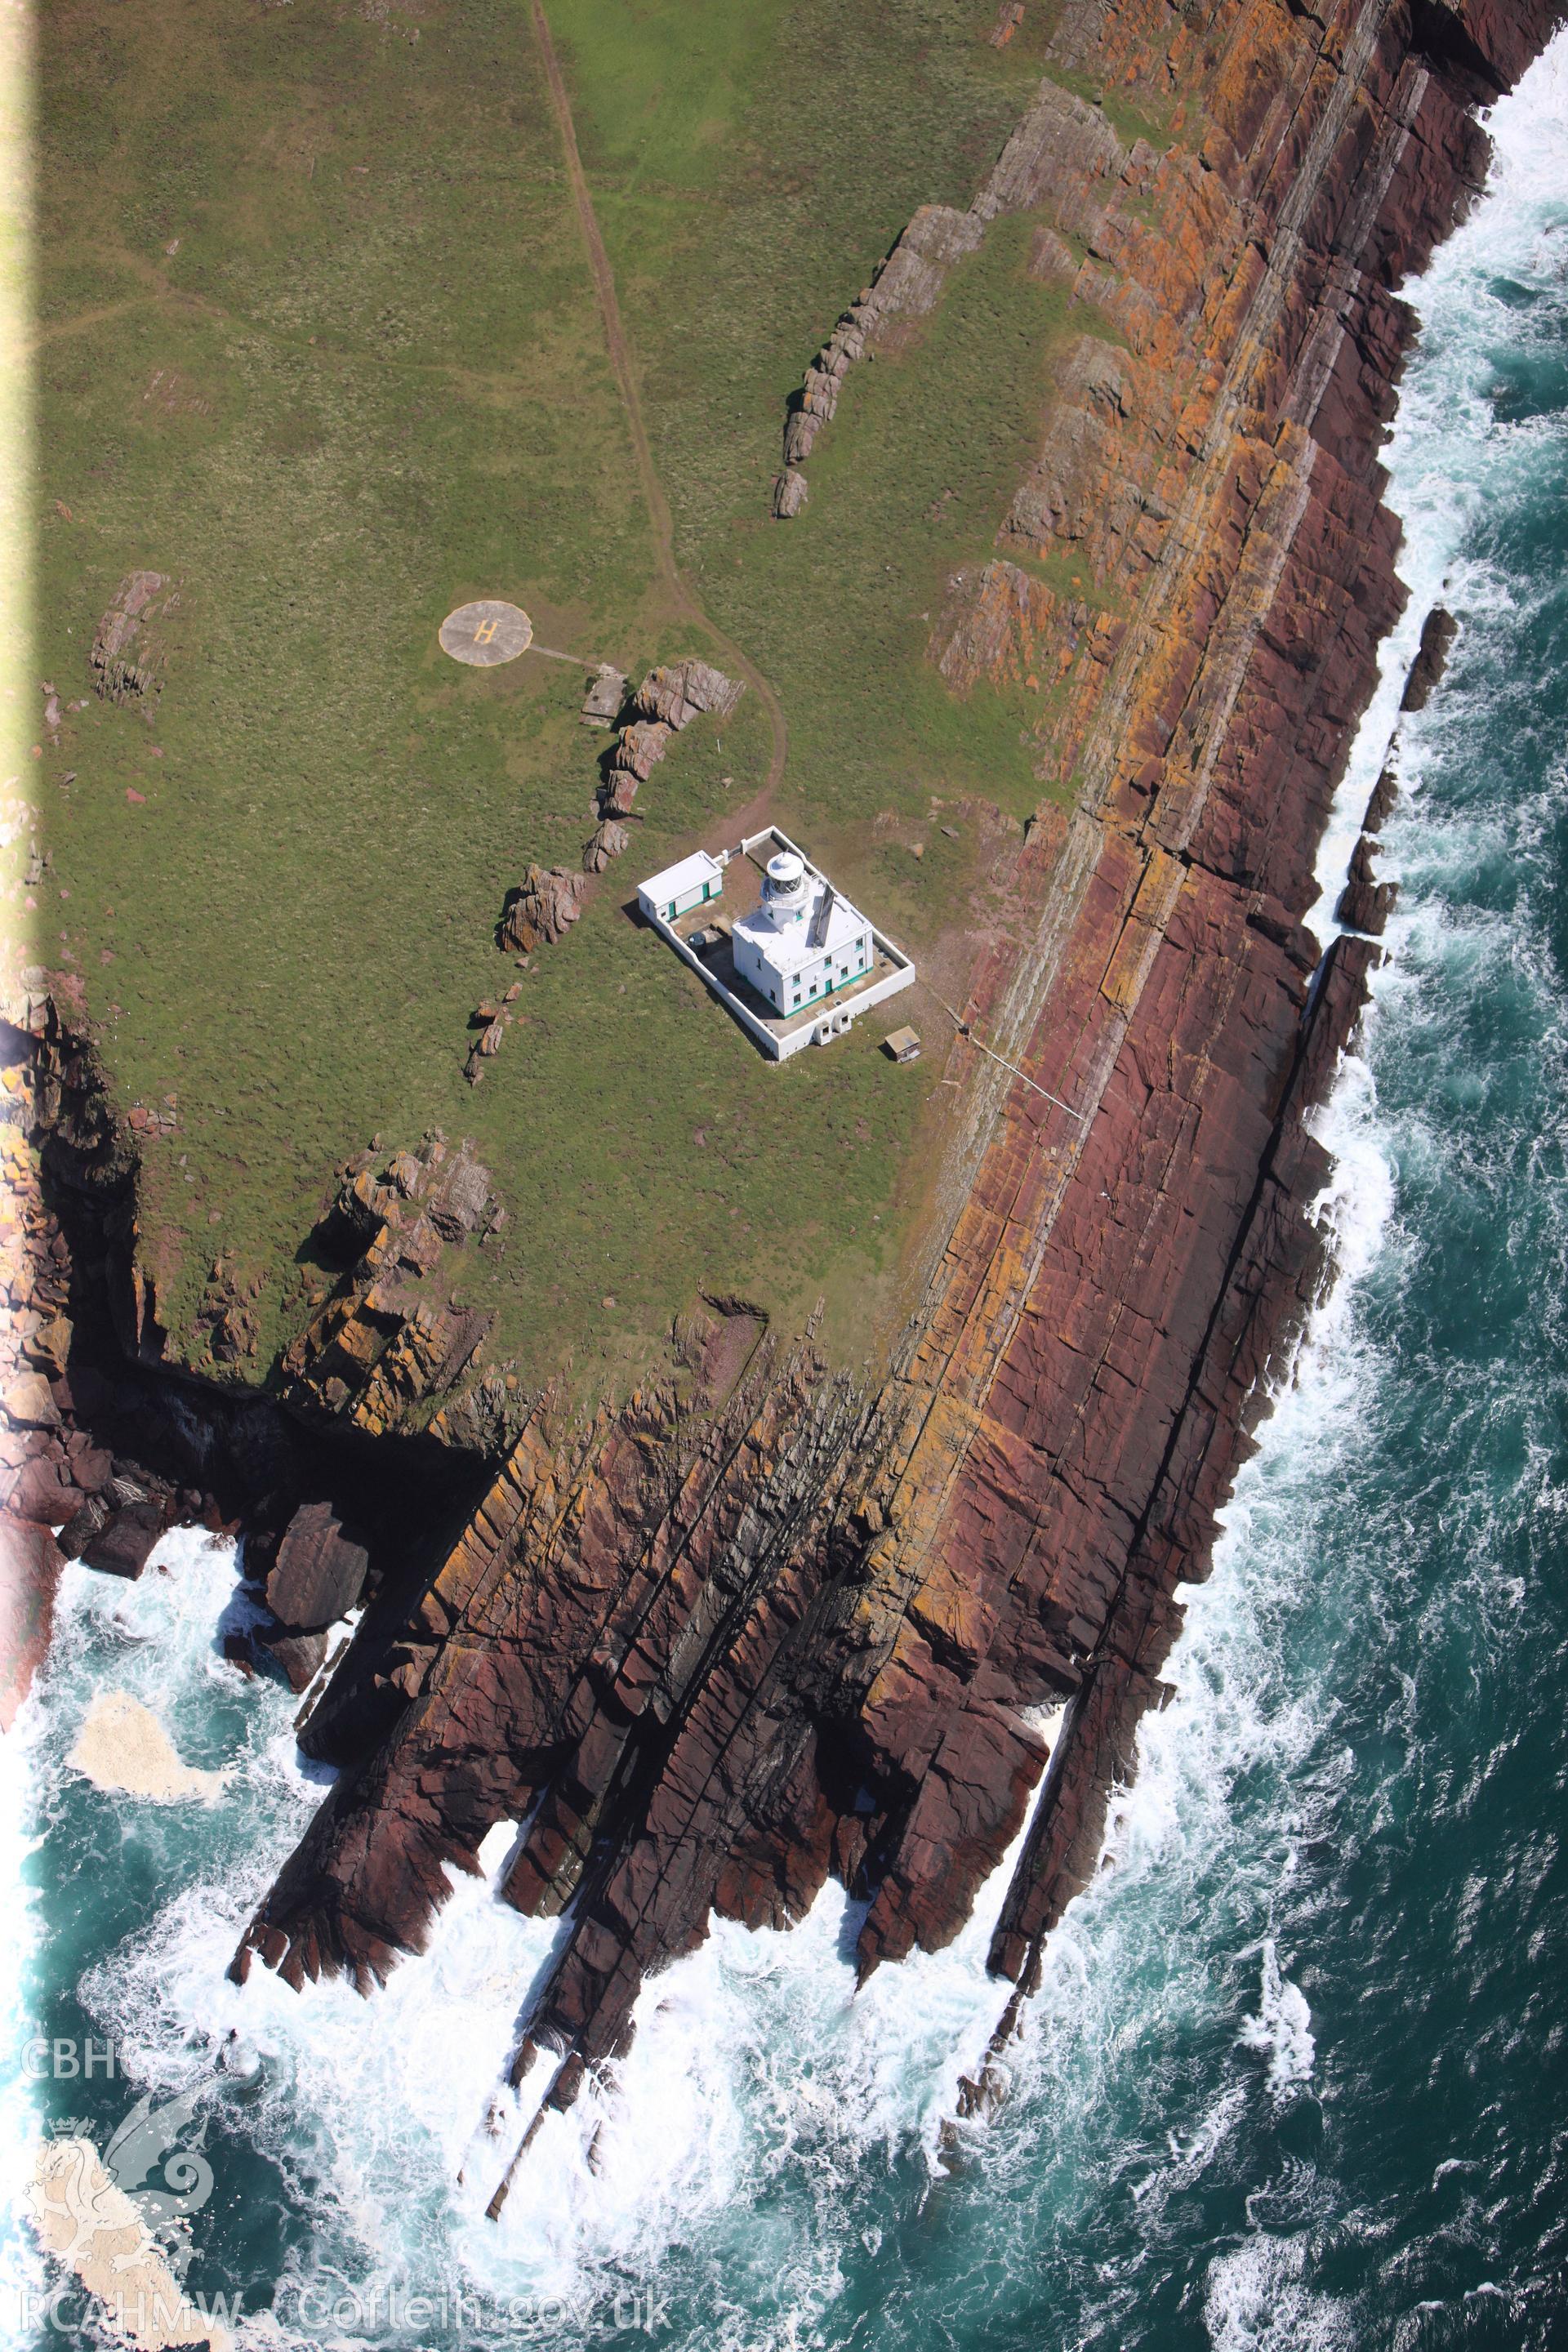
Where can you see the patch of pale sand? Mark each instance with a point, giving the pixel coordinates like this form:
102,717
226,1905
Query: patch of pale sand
83,2215
122,1745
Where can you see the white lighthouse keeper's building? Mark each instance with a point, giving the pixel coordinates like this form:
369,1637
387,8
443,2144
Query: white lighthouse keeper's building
804,942
675,892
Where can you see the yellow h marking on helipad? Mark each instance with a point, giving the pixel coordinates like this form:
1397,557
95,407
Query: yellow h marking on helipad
484,633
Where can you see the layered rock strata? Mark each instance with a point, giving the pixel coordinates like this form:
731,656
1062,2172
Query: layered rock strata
104,1445
760,1629
385,1351
541,910
907,285
126,658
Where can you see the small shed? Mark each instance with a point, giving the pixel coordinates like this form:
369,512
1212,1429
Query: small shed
903,1044
607,694
691,883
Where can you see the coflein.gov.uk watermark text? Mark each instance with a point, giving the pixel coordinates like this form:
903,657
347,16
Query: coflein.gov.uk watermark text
375,2312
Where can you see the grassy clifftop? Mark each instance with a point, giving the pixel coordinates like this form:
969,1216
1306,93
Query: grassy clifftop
318,341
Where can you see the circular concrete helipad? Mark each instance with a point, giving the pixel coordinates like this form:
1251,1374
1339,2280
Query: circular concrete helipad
485,634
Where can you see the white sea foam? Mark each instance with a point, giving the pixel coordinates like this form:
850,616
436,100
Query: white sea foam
1448,462
754,2056
1282,2030
21,2265
122,1746
1443,455
1259,2300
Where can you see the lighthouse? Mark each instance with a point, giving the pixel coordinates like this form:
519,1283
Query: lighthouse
785,892
804,942
796,964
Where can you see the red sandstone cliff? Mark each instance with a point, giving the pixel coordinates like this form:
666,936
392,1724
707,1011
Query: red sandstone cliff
750,1634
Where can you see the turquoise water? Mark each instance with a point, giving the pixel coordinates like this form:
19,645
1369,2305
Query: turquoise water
1294,2075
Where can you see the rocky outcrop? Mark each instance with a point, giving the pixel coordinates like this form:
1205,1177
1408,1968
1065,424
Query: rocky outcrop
615,1570
790,487
1438,634
608,841
679,692
1064,153
318,1570
541,910
384,1350
669,698
642,745
303,1581
106,1444
126,658
905,287
491,1021
1076,486
1366,904
1007,623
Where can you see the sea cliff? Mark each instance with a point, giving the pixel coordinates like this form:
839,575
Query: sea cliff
767,1623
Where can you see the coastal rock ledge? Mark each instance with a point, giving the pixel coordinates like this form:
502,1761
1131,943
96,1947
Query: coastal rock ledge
719,1648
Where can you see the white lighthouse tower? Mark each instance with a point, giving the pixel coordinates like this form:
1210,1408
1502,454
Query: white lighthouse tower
784,894
804,942
798,964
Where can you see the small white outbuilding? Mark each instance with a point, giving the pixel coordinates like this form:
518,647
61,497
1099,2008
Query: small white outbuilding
691,883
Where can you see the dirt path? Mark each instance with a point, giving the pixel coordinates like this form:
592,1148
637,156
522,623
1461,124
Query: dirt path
81,321
676,587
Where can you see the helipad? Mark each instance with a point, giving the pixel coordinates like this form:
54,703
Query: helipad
487,632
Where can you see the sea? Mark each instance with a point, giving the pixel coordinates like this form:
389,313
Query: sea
1295,2073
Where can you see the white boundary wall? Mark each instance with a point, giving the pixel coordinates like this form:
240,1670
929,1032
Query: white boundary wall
834,1020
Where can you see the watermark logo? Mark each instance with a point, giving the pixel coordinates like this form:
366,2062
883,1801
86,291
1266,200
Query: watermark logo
164,2140
151,2137
67,2060
375,2312
154,2172
158,2317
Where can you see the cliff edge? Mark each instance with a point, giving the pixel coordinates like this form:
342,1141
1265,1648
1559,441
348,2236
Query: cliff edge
765,1625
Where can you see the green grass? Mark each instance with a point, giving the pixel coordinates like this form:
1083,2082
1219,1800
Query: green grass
390,394
908,483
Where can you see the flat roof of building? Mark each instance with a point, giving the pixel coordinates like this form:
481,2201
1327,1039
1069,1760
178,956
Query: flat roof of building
791,950
685,874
